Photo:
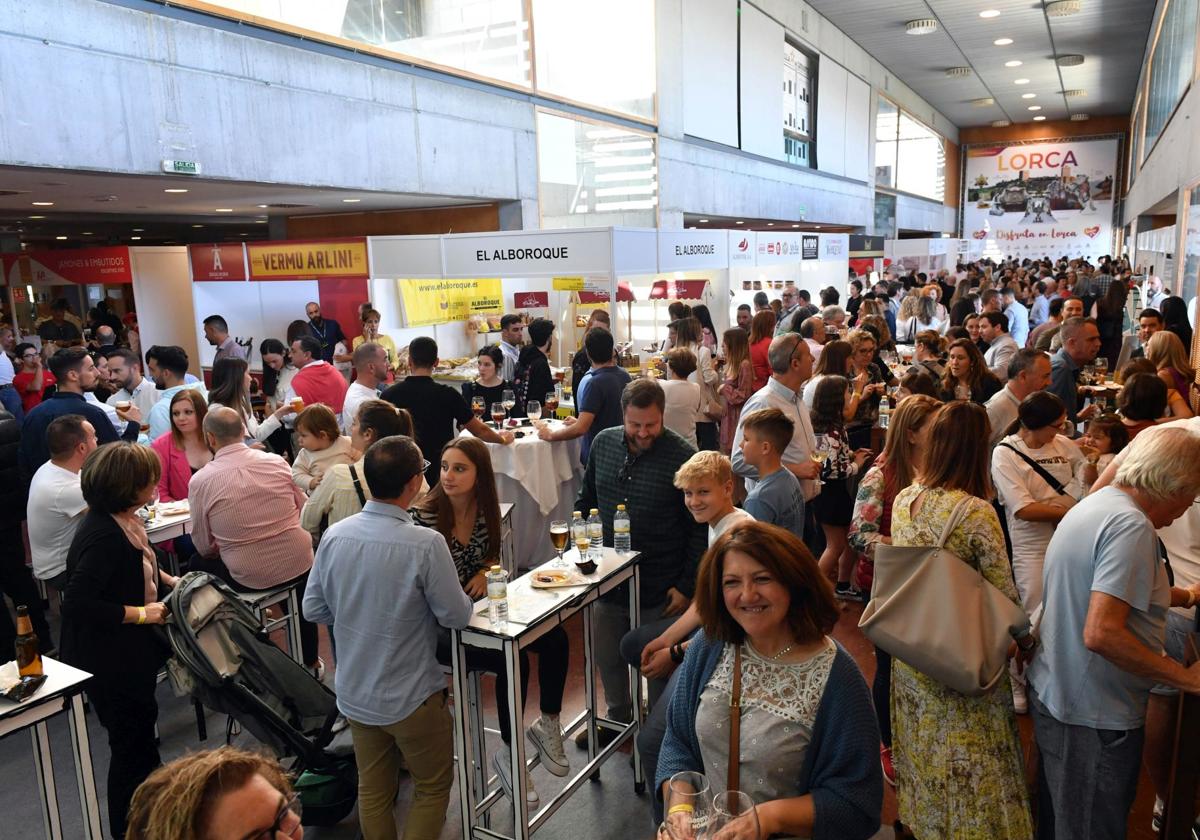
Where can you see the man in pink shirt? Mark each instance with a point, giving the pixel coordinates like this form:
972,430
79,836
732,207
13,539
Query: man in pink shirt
246,517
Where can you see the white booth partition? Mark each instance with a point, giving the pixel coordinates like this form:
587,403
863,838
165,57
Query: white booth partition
767,262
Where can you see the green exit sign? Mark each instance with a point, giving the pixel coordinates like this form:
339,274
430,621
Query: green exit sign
181,167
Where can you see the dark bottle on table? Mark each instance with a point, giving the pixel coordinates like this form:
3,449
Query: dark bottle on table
29,659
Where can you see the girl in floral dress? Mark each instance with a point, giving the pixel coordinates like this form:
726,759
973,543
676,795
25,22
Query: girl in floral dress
959,768
738,384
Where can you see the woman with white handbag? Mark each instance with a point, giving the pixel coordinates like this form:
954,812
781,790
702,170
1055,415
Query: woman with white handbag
958,757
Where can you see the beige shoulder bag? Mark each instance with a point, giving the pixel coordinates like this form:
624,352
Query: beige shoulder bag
937,613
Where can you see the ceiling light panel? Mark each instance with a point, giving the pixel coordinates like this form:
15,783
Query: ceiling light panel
921,26
1002,42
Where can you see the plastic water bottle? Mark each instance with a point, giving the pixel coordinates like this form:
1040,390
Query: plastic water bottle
595,529
497,592
621,534
885,413
579,536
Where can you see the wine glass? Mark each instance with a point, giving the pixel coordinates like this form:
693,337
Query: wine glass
687,805
733,817
551,404
478,406
1101,368
509,399
533,410
819,457
559,533
498,413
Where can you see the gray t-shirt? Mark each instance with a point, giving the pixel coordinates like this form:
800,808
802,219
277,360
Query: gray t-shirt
778,499
1104,544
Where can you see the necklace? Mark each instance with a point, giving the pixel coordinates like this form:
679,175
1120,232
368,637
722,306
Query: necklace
782,653
777,655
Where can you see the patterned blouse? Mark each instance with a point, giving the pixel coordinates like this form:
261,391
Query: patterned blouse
469,559
840,461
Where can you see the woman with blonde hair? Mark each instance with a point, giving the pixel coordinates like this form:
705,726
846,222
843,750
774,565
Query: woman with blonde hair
959,767
226,792
1170,358
871,526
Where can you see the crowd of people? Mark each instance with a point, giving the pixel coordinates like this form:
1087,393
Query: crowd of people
762,472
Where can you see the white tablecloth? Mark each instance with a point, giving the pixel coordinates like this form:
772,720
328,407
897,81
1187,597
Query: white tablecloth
541,479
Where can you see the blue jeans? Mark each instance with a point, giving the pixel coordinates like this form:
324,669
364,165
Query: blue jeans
11,401
1090,776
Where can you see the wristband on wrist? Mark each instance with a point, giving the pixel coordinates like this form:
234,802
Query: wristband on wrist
141,615
682,808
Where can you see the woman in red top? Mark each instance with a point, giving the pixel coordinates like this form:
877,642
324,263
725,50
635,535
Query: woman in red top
33,380
762,330
182,451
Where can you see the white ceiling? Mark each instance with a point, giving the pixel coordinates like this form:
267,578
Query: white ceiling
1111,35
108,207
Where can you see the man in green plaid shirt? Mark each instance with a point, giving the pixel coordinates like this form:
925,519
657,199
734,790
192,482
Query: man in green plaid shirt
635,465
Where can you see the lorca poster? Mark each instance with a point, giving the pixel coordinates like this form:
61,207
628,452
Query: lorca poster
1041,199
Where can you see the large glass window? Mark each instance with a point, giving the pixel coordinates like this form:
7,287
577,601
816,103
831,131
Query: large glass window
1171,66
1191,252
920,160
799,81
885,215
908,155
598,53
591,174
887,124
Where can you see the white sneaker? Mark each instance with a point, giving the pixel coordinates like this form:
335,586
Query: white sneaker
502,761
546,736
1020,700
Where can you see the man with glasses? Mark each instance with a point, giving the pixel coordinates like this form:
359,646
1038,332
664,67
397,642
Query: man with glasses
634,465
388,584
791,303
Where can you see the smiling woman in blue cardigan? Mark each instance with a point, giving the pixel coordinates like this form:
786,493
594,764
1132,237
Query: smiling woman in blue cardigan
808,736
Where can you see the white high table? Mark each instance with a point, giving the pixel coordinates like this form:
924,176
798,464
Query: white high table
532,613
62,692
542,479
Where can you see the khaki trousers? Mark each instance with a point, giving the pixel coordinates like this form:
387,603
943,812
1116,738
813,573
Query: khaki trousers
426,740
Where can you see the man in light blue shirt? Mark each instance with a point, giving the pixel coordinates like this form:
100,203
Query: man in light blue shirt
1106,598
167,366
1047,289
387,584
1018,316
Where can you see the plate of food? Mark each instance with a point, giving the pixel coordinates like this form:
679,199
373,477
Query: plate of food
554,578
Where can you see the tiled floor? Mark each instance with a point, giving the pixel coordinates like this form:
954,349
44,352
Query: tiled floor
607,809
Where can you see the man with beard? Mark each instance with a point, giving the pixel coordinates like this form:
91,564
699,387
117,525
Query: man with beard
325,330
634,465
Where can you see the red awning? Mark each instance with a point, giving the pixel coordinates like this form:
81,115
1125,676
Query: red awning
678,290
624,294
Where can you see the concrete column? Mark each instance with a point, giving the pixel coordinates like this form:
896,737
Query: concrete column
277,227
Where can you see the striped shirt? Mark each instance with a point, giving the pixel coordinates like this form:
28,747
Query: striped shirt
246,508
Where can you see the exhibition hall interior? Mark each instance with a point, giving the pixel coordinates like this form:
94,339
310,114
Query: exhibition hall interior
673,419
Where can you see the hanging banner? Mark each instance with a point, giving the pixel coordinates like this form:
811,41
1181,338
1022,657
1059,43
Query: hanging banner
76,265
1041,199
218,262
325,259
438,301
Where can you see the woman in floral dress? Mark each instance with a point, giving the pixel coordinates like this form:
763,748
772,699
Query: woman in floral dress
958,759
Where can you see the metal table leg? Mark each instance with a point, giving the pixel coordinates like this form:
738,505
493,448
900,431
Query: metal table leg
462,742
635,690
516,720
84,775
44,765
293,630
589,684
